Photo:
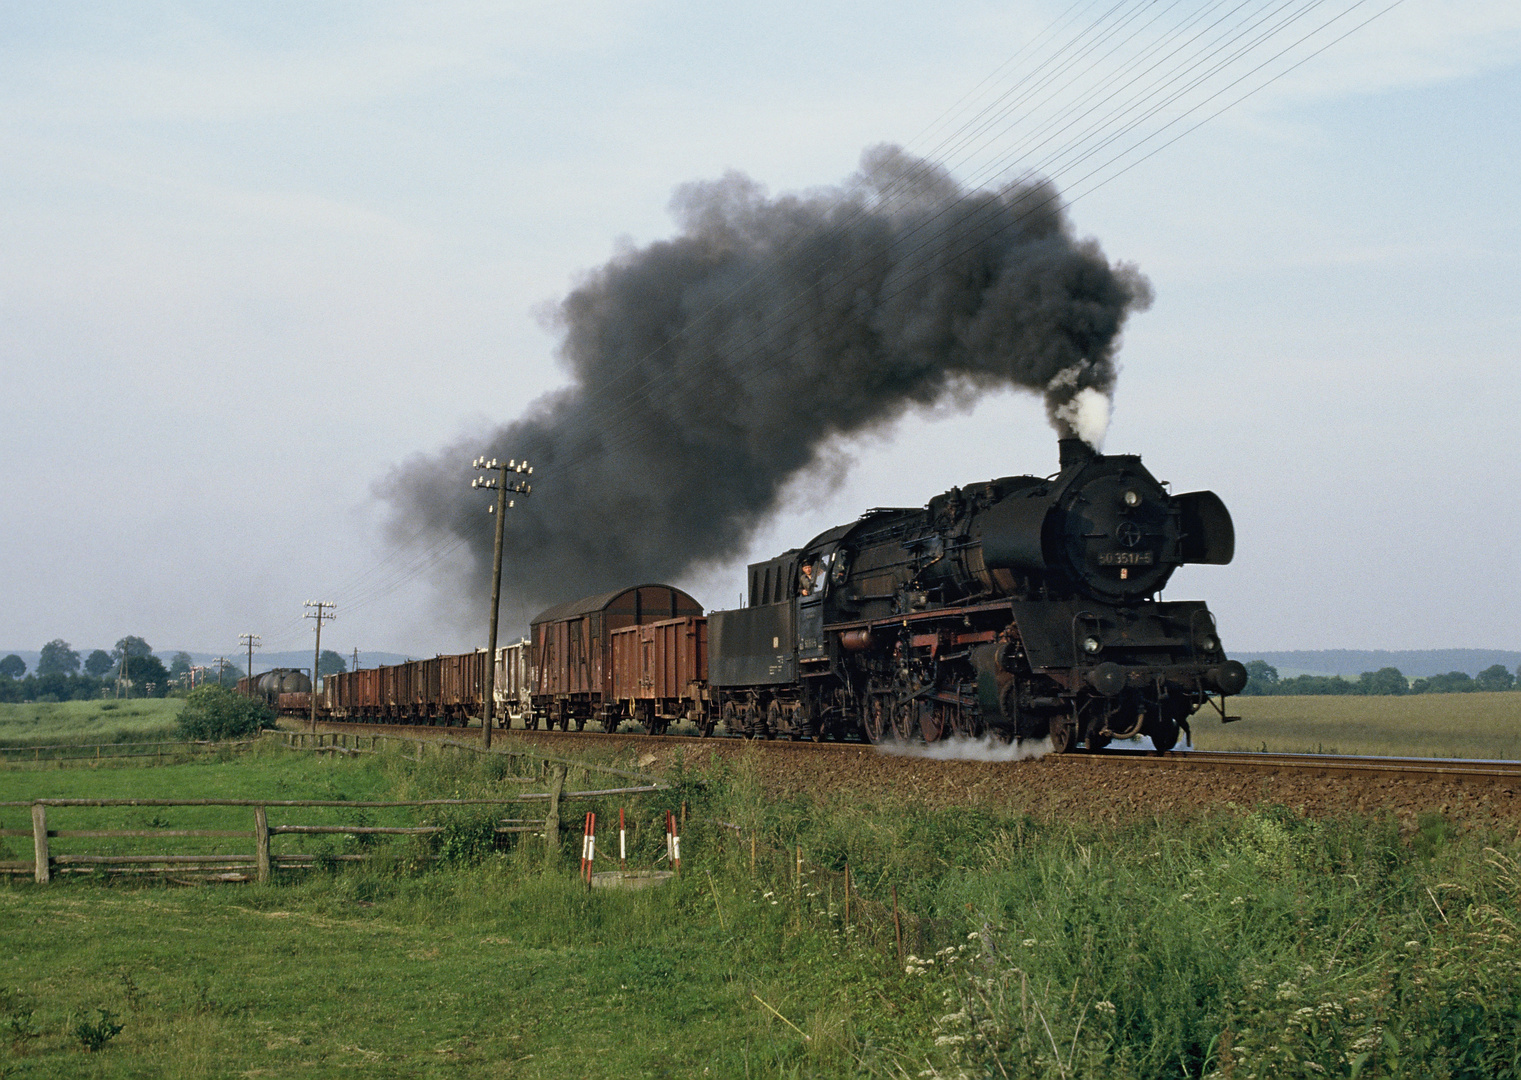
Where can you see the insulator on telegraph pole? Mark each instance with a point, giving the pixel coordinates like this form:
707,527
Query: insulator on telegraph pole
500,484
253,642
319,610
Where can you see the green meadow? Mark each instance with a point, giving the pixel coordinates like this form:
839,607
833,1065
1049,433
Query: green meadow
1253,943
77,722
1477,725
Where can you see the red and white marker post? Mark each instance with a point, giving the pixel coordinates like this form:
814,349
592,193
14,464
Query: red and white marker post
622,842
672,841
589,847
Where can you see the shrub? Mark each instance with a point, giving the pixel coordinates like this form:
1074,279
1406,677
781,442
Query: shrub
93,1037
214,712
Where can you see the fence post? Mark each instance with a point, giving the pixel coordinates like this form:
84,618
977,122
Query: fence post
552,818
40,842
261,844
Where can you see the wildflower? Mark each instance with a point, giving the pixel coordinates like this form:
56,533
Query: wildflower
949,1040
1314,1066
1186,896
973,936
1238,901
1029,942
1105,1007
1412,944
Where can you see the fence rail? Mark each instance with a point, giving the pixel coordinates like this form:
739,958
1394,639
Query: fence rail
263,860
112,751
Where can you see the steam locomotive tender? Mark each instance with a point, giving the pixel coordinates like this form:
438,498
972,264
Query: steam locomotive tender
1024,607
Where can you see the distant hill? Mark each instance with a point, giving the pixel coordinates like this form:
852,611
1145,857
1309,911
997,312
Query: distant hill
1350,663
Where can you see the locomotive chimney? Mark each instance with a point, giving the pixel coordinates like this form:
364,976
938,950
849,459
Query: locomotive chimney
1074,451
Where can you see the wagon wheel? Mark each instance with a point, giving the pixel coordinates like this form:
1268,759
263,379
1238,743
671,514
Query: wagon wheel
874,719
610,719
705,724
731,718
932,721
905,718
966,723
776,720
1061,735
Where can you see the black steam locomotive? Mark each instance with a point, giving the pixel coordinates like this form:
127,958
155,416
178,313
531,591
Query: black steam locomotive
1023,607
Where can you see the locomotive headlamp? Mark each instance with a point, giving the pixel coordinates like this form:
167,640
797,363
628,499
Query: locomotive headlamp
1091,645
1132,498
1208,644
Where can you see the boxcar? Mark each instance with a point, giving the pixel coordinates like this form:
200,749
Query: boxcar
514,691
570,653
660,674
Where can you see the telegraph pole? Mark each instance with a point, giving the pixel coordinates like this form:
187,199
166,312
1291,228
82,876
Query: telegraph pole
355,667
252,641
320,609
221,663
501,485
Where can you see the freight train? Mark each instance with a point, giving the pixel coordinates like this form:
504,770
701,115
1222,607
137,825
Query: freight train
1022,608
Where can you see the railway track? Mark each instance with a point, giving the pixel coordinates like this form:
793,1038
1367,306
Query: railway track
1309,764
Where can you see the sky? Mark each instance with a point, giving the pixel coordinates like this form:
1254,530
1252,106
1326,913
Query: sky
254,257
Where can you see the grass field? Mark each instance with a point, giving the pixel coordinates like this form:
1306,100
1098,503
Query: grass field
74,722
1424,725
1256,938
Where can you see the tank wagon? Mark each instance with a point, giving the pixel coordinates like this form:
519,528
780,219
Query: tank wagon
277,683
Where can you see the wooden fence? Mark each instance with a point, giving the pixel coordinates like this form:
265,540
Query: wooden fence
106,751
262,860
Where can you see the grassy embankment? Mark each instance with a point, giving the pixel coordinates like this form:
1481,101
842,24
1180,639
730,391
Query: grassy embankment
1254,941
84,722
1481,725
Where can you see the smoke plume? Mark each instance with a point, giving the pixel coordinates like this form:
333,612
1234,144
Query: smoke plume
707,370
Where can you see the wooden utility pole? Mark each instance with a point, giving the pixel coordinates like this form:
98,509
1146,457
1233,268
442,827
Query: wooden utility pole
252,641
320,609
221,663
501,485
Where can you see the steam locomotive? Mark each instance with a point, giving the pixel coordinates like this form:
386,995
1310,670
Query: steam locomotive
1024,608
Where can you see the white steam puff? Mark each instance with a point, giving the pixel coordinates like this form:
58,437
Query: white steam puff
962,748
1087,414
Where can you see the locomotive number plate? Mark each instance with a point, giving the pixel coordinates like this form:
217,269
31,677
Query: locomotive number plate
1125,558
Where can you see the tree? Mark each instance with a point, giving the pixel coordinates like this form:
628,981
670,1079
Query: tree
330,663
179,665
1495,677
1383,681
147,671
130,646
1454,682
58,658
99,664
12,667
215,712
1261,678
